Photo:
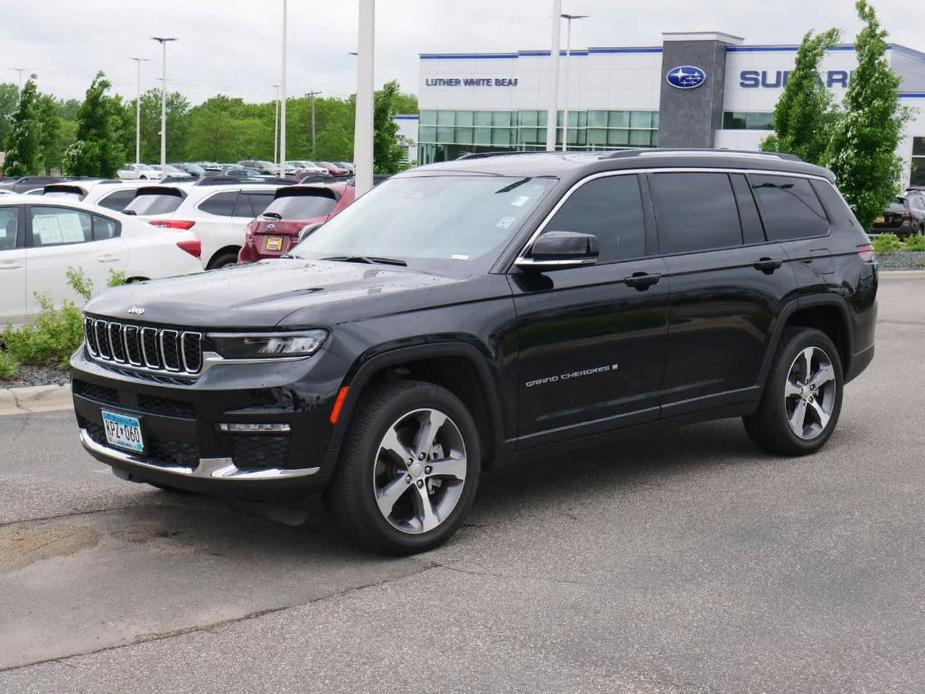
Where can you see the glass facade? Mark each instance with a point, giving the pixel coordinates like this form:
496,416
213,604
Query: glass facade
742,120
445,135
917,174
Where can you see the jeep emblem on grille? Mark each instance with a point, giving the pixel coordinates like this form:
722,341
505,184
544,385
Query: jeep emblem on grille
136,310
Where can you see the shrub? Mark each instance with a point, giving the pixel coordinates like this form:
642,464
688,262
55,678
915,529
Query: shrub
916,243
8,365
886,244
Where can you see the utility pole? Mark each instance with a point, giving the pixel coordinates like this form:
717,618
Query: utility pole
276,127
311,97
568,65
363,124
282,101
163,41
138,62
552,112
20,70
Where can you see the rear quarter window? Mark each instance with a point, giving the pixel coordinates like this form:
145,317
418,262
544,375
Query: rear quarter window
221,204
117,200
789,207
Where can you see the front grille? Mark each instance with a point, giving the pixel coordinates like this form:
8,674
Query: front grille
92,391
160,349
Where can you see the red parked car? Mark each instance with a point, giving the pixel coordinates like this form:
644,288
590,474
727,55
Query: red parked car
276,231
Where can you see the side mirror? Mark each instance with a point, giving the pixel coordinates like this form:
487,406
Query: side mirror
556,250
307,230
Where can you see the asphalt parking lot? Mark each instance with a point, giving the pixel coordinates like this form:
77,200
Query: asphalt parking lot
682,561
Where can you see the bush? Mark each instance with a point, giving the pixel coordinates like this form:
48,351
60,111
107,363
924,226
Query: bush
916,243
886,244
54,334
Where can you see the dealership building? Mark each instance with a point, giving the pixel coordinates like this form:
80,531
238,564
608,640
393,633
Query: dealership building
704,89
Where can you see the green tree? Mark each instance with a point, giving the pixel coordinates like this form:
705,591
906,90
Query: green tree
387,152
804,115
99,147
178,109
862,150
24,142
9,99
51,133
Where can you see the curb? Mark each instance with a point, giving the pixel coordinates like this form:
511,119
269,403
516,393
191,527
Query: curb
35,399
901,273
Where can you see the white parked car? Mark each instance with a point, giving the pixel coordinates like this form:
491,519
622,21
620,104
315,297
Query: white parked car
41,238
218,214
131,172
112,194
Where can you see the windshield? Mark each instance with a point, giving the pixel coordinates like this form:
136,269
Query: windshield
301,206
453,218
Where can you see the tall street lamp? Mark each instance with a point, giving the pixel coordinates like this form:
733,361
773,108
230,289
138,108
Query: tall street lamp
276,126
568,64
363,123
163,41
138,62
311,97
552,112
20,70
282,100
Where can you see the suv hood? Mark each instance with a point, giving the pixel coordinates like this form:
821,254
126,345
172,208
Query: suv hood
264,294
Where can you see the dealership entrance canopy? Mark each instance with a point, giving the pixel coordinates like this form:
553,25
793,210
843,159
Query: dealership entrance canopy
704,89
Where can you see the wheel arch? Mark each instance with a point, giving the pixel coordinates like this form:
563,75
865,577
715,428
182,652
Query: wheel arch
459,367
231,248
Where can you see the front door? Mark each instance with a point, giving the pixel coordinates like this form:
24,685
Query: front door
591,340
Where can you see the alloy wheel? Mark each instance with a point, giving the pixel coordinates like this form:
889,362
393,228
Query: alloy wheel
810,393
419,471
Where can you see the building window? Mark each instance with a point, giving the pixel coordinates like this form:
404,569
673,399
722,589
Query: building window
742,120
917,175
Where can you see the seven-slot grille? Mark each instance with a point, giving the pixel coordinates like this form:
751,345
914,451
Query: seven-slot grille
160,349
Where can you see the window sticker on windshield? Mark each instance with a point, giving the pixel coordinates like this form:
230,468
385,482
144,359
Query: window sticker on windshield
504,222
520,201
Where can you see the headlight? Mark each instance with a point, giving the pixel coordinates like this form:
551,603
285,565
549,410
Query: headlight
258,345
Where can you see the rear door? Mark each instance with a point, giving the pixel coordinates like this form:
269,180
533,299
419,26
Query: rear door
591,340
728,284
12,266
61,238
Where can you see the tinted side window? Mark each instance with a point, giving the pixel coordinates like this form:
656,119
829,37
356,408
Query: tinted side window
695,212
611,209
260,201
221,204
243,207
9,227
117,200
104,228
835,207
789,207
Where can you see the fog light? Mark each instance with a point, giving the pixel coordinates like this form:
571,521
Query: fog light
254,428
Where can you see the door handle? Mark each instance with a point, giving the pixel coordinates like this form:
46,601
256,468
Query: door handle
641,280
107,258
10,266
768,265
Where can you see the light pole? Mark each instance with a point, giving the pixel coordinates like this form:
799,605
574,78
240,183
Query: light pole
568,64
363,124
276,127
138,62
163,41
311,96
282,101
552,112
20,70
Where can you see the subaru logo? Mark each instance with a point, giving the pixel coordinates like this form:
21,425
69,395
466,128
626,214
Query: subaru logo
686,77
136,310
271,226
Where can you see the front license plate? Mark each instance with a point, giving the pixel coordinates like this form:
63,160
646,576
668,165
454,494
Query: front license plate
123,431
273,243
880,220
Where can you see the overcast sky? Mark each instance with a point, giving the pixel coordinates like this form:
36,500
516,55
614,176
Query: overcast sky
233,46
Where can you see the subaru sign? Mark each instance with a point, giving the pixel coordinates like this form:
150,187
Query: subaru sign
686,77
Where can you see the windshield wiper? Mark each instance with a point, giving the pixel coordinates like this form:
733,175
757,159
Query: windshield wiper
371,259
512,186
131,212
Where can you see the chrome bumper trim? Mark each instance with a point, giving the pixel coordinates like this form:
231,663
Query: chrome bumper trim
208,468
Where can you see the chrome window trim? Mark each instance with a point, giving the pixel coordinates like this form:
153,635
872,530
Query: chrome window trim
522,255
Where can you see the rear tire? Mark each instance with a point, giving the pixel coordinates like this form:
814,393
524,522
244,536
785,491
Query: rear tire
802,396
223,260
409,469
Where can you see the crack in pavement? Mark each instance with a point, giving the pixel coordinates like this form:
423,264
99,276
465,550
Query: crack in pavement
212,627
71,514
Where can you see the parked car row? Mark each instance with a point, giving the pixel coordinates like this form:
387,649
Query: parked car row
905,216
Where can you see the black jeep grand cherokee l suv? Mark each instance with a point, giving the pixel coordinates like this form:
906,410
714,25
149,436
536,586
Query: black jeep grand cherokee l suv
465,312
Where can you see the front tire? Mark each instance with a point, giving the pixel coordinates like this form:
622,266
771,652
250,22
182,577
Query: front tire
409,469
802,397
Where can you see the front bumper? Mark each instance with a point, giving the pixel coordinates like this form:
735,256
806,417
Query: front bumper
184,445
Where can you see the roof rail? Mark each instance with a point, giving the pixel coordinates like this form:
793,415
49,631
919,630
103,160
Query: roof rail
507,153
695,152
241,180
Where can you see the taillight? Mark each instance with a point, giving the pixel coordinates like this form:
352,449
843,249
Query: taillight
866,253
907,214
193,247
172,224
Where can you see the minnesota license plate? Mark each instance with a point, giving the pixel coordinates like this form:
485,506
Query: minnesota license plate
273,243
880,220
123,431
